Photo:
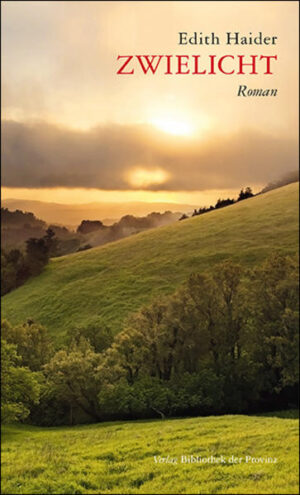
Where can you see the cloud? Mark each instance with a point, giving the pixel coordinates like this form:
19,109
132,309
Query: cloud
40,155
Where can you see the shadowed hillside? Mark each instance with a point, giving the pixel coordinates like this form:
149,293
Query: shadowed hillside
116,279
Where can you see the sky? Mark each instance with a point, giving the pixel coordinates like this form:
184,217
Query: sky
75,131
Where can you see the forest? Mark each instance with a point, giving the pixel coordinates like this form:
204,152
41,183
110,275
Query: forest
224,342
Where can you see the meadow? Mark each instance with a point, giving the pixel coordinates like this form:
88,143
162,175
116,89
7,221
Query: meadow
119,457
112,281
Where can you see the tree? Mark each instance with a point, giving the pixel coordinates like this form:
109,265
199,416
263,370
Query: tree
129,353
17,268
218,310
8,275
224,202
51,242
32,342
273,321
37,254
227,277
88,226
14,270
183,217
245,194
145,397
74,377
97,333
154,339
20,387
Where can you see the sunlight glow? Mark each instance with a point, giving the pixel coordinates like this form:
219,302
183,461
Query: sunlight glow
141,177
173,126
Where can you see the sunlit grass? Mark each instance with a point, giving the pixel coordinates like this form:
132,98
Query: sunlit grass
119,457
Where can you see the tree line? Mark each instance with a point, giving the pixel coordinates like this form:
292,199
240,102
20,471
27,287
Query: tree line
221,203
224,342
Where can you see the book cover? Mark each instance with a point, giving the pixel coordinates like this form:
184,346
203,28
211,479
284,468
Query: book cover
149,225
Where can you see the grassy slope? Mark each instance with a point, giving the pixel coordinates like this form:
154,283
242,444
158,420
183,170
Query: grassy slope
113,280
119,457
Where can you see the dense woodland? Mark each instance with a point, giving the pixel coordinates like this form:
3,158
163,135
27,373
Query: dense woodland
224,342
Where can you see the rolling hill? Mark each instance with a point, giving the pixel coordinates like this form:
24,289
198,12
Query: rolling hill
111,281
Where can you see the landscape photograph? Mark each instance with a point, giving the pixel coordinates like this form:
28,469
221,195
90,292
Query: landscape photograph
149,247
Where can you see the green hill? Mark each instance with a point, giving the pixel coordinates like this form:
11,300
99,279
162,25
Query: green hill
113,280
119,457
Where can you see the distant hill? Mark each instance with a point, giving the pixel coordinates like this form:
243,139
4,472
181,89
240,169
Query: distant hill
18,226
19,219
72,215
111,281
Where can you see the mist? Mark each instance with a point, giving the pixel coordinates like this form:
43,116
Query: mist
287,178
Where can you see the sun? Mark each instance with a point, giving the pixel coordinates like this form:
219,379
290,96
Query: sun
176,127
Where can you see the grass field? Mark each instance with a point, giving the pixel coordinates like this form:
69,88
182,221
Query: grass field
113,280
119,457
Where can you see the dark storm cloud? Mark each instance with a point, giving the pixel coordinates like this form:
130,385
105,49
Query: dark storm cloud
37,155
